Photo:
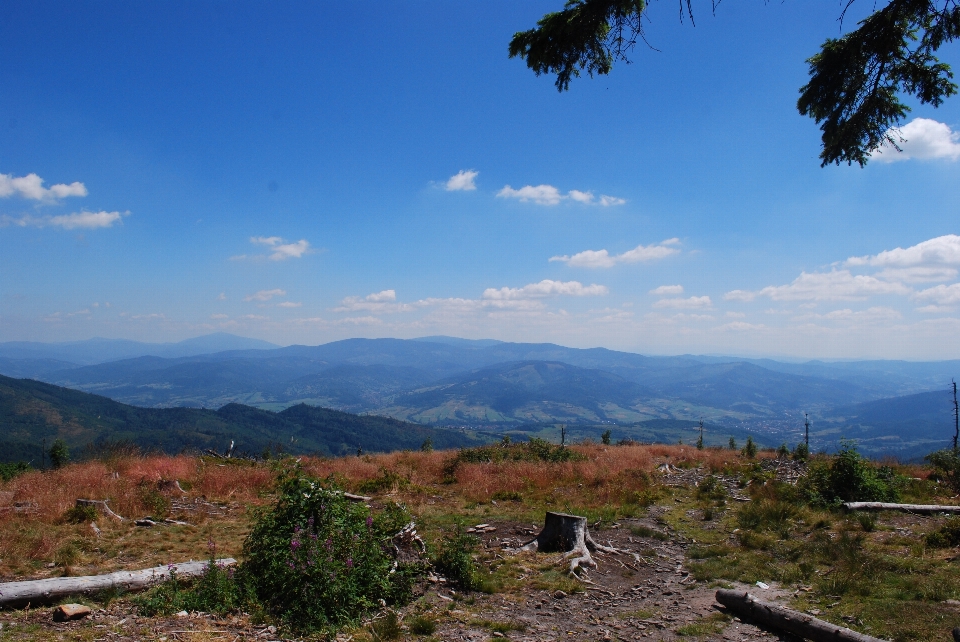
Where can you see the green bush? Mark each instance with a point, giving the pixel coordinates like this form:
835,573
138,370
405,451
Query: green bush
946,467
11,470
80,514
216,591
534,450
455,561
946,536
423,625
850,478
317,561
750,450
801,452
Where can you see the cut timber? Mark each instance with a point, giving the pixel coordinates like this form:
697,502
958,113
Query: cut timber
906,508
56,588
778,617
101,505
568,534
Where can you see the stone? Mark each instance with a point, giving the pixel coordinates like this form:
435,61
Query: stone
68,612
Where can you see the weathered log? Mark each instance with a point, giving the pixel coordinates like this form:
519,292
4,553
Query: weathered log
357,498
55,588
924,509
568,534
101,505
779,617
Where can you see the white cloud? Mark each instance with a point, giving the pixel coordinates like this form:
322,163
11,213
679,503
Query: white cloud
382,296
280,251
148,317
462,181
869,315
77,220
921,138
31,187
607,201
692,302
941,295
667,290
735,315
823,286
383,301
254,317
222,297
942,250
544,288
603,259
289,304
265,295
540,194
550,195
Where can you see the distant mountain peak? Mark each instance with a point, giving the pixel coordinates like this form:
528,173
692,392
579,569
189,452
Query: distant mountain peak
457,341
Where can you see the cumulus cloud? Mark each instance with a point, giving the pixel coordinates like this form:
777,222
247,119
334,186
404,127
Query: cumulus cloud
667,290
539,194
289,304
31,187
941,295
462,181
544,288
942,250
550,195
279,250
75,221
265,295
823,286
383,301
873,314
603,258
921,138
692,302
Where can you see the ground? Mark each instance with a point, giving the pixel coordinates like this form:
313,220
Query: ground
865,572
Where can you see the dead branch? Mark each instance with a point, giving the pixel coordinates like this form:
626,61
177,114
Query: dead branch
923,509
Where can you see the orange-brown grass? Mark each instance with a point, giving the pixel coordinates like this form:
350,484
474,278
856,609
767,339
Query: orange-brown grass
606,476
43,534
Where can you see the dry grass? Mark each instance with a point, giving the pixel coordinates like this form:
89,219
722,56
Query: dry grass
30,542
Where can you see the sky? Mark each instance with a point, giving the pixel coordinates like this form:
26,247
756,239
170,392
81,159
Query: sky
309,172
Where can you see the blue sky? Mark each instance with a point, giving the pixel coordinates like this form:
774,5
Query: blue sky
309,172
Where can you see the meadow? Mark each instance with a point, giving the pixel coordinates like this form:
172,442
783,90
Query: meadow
697,519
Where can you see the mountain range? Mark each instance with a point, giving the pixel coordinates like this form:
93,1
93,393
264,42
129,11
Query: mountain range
493,385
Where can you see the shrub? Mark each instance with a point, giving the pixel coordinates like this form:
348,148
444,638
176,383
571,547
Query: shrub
946,467
801,452
750,449
80,514
768,515
455,561
733,443
850,478
783,451
605,437
711,490
317,561
946,536
213,592
423,625
11,470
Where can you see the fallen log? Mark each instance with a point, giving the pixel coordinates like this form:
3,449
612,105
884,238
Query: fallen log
784,619
924,509
49,590
101,505
568,534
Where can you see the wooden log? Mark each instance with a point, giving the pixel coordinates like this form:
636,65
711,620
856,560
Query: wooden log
784,619
923,509
101,505
55,588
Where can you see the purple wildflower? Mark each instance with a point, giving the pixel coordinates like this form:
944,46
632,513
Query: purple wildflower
369,522
349,562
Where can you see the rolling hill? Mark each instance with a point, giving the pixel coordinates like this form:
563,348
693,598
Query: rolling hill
32,411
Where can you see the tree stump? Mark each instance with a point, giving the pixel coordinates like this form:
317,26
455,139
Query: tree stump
568,534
